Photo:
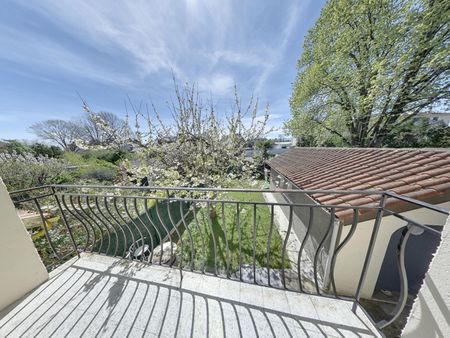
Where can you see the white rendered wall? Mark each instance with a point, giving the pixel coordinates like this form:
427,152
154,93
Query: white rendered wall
20,265
350,260
430,315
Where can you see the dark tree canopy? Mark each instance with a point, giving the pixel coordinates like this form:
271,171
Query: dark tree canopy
368,67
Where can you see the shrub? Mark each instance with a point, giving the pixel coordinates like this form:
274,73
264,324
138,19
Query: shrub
20,171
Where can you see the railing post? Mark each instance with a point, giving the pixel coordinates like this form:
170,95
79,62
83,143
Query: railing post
65,222
372,241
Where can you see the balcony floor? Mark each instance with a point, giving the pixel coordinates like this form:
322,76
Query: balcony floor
103,296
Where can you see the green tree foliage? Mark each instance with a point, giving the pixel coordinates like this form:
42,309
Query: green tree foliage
368,67
419,133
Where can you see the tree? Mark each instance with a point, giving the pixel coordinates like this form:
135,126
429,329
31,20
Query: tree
368,67
198,147
92,132
418,133
64,133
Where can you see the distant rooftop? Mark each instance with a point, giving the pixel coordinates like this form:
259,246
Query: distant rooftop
423,174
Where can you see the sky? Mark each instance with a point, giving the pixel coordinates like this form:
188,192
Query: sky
53,52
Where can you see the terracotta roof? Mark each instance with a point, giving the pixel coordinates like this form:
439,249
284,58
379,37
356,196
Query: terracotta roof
420,174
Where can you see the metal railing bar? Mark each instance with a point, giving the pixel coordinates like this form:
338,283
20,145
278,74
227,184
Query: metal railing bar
340,246
93,221
165,229
269,240
175,227
112,226
30,189
322,242
101,222
191,242
154,227
408,220
146,229
336,206
302,247
370,248
224,225
155,188
254,243
105,202
127,226
82,220
194,210
44,226
127,211
208,216
419,203
406,233
238,219
66,223
63,199
28,199
283,257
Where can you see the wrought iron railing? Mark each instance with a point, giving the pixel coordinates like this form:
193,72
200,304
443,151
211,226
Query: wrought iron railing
229,233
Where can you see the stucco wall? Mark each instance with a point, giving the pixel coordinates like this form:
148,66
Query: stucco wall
350,260
430,315
20,265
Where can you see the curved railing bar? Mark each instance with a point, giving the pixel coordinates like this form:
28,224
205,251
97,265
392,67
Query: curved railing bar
194,209
174,227
124,234
44,225
156,229
125,205
208,211
83,220
288,232
166,230
101,221
340,246
269,240
302,246
406,233
254,243
93,221
191,242
238,219
322,242
224,225
106,225
146,229
63,199
127,226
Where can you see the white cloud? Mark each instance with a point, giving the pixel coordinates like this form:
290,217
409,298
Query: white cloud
217,84
274,61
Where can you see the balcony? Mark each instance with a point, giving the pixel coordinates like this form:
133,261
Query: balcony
194,262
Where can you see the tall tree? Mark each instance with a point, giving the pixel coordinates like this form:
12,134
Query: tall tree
369,66
64,133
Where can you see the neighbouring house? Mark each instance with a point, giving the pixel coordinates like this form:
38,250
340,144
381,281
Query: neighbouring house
420,174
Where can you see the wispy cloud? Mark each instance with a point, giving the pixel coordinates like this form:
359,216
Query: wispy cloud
111,49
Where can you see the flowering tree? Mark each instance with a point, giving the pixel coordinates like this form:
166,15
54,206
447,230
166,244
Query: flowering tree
199,147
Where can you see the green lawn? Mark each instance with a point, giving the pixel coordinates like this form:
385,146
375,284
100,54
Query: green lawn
211,235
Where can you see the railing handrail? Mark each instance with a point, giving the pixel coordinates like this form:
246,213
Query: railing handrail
205,189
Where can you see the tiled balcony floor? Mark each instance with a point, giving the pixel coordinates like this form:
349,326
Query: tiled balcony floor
102,296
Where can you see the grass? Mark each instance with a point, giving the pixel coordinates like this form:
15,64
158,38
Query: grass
212,234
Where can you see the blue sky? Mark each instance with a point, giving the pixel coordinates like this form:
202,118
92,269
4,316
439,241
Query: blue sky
108,50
